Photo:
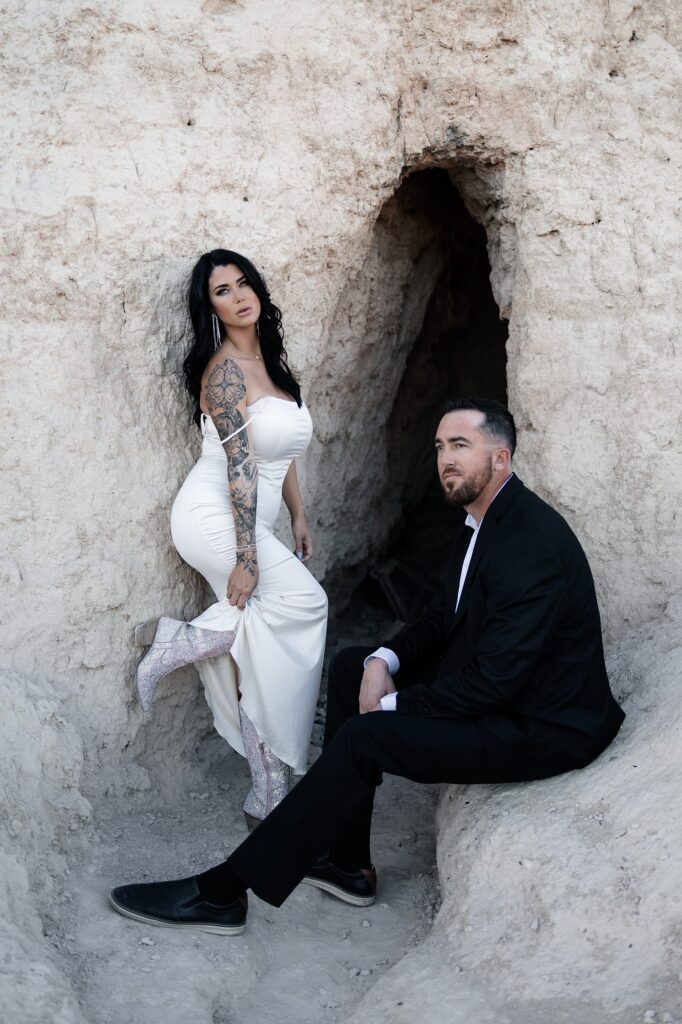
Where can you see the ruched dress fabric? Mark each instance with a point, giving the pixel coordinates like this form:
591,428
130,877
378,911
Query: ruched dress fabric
280,635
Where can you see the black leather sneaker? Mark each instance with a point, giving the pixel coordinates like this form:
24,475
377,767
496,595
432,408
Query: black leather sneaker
356,887
179,904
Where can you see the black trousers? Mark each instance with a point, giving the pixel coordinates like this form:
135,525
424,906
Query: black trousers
331,807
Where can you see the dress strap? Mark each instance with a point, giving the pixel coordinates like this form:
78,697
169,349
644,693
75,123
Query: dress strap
225,440
238,431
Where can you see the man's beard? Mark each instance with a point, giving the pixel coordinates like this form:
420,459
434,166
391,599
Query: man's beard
466,490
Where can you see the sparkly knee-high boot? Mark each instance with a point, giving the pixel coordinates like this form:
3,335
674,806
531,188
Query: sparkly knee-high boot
269,775
175,644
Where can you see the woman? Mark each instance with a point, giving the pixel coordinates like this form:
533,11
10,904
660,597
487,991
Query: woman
259,648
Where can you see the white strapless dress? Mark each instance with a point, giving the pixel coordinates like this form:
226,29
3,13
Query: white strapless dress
280,635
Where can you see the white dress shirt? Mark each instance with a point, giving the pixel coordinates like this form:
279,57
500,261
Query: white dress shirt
388,702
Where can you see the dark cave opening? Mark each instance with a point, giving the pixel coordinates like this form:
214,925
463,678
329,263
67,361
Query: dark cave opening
460,349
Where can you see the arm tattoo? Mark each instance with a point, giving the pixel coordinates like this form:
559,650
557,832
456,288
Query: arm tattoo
225,389
225,385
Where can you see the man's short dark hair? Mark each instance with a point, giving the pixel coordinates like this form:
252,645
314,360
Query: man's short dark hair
499,423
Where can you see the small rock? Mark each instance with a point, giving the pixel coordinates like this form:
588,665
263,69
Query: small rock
366,923
365,973
535,924
668,1018
146,941
354,971
384,906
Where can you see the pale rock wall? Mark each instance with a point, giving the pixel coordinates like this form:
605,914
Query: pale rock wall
42,811
137,135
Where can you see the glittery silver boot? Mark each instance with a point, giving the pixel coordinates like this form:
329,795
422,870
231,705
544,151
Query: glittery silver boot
269,775
175,644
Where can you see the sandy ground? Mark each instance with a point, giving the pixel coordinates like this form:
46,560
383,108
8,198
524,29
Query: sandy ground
311,960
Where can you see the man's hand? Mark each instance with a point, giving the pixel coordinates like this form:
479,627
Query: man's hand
376,683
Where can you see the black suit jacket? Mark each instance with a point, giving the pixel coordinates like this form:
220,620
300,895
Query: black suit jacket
523,654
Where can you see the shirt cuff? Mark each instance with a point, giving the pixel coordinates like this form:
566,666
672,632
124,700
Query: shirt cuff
390,657
388,702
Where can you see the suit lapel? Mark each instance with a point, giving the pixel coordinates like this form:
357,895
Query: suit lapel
486,537
452,577
488,527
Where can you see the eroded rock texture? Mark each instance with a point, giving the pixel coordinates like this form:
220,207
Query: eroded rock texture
40,772
138,135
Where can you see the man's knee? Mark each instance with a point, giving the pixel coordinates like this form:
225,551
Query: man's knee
346,668
357,737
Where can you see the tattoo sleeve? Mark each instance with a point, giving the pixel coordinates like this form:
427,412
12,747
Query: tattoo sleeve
225,391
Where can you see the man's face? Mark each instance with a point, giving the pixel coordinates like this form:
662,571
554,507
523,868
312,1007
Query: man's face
465,456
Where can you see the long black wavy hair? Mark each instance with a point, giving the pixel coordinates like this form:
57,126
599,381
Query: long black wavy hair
269,326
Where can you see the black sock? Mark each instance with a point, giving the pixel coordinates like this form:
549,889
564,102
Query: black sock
220,885
350,854
349,865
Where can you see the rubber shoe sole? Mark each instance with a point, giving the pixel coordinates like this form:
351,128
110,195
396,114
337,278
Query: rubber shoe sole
341,894
212,929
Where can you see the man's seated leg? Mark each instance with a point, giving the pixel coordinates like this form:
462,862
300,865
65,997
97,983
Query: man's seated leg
343,688
351,857
350,851
277,855
273,859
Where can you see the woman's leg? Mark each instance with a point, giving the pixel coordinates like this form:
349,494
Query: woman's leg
176,644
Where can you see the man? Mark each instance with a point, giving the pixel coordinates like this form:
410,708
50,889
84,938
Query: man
502,680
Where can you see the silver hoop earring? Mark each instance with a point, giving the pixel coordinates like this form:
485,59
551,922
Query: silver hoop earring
217,340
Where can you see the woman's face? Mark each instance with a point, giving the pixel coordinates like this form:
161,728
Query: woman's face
232,297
